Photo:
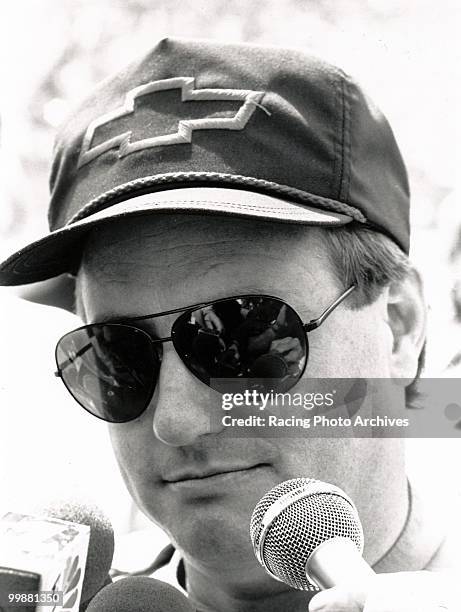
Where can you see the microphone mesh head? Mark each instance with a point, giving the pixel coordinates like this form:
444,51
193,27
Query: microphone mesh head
292,519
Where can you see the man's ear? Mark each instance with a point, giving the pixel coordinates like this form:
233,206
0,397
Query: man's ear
406,312
57,292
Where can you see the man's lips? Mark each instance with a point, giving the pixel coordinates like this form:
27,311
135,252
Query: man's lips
203,475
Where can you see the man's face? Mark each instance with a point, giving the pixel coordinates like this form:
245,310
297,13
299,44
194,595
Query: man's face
157,263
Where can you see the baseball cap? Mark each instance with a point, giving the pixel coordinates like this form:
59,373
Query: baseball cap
202,127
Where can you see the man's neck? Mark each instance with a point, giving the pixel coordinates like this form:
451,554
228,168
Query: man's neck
226,598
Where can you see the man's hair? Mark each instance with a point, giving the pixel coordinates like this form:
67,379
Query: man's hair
369,260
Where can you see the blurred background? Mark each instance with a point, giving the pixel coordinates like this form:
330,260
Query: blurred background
54,51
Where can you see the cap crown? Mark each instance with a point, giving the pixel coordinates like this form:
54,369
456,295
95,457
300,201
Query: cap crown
262,118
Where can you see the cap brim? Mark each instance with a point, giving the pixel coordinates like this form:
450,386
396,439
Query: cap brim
60,251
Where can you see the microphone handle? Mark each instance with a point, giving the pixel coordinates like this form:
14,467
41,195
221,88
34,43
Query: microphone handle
337,561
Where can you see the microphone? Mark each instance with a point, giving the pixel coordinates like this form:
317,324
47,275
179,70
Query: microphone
139,594
100,546
307,534
66,547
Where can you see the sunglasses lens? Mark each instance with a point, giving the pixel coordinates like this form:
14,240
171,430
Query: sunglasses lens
250,338
111,370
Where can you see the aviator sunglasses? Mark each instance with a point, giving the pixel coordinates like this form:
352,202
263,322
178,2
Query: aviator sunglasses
111,368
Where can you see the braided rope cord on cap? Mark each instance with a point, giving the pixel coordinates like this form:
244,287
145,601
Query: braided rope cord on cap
108,198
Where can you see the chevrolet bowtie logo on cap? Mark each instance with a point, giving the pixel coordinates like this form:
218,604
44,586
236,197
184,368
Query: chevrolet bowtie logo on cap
123,141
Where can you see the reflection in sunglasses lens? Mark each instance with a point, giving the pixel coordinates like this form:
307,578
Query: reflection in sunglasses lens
249,338
111,370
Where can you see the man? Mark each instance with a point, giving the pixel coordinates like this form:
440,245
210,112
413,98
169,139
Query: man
256,187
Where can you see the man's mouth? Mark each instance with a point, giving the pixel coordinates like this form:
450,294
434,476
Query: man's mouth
208,474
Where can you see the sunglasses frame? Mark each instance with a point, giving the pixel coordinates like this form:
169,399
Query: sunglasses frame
125,322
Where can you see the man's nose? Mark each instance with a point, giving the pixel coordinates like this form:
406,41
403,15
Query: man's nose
185,408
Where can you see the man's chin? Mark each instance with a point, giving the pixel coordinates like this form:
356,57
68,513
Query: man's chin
215,539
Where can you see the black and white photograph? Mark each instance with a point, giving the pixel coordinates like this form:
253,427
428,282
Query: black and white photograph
230,306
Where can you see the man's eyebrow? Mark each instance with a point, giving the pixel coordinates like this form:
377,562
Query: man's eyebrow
111,317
